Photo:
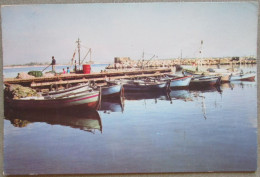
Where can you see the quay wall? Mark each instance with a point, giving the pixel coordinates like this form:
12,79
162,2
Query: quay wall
126,62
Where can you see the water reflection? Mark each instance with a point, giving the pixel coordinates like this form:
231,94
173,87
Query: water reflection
157,95
77,118
206,89
238,84
183,95
112,105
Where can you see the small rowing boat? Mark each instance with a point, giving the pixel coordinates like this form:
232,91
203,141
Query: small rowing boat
250,76
88,98
71,90
179,81
202,81
143,85
112,89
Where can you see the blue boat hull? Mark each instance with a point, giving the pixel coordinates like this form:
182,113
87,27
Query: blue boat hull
113,90
181,82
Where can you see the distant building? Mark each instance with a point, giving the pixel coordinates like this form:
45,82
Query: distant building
121,59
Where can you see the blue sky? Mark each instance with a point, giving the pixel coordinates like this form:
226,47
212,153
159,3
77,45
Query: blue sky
34,33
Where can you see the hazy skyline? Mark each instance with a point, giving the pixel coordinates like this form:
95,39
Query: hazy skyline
34,33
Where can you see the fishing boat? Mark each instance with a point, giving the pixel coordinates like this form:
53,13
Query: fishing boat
72,90
179,81
76,117
112,89
250,76
88,98
224,73
202,81
143,85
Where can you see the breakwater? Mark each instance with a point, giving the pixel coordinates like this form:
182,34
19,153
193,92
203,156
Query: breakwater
126,62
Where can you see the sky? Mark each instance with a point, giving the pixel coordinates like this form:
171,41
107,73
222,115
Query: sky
35,33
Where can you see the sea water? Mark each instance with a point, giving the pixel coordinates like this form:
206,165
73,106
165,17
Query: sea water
190,130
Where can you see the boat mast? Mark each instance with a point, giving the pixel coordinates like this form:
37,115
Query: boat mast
143,60
78,42
201,52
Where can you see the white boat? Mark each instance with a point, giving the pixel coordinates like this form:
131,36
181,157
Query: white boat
224,73
90,99
179,81
111,89
142,85
250,76
71,90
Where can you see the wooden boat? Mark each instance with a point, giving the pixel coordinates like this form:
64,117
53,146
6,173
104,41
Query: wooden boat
89,98
243,77
142,85
72,90
224,73
179,81
112,89
76,117
202,81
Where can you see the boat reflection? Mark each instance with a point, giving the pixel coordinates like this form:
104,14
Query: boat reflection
158,95
238,84
183,95
112,105
87,120
206,89
227,85
179,94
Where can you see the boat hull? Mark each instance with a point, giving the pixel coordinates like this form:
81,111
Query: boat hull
180,82
144,87
89,100
245,77
111,91
205,81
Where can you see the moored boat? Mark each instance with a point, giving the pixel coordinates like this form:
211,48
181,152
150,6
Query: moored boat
224,73
90,99
111,89
142,85
201,81
72,90
243,77
179,81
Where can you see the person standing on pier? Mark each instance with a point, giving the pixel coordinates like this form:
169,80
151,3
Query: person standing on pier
53,63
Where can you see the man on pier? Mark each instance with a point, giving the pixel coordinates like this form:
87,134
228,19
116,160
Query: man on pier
53,63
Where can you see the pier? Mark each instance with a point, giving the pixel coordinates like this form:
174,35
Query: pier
65,80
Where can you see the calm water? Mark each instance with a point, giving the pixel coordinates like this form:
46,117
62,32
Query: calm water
213,129
12,72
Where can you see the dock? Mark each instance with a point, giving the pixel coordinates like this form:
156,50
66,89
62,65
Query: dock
66,79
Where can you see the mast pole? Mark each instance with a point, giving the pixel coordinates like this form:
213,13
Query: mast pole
78,42
90,54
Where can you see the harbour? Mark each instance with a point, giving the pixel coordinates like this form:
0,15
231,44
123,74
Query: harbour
130,88
142,126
